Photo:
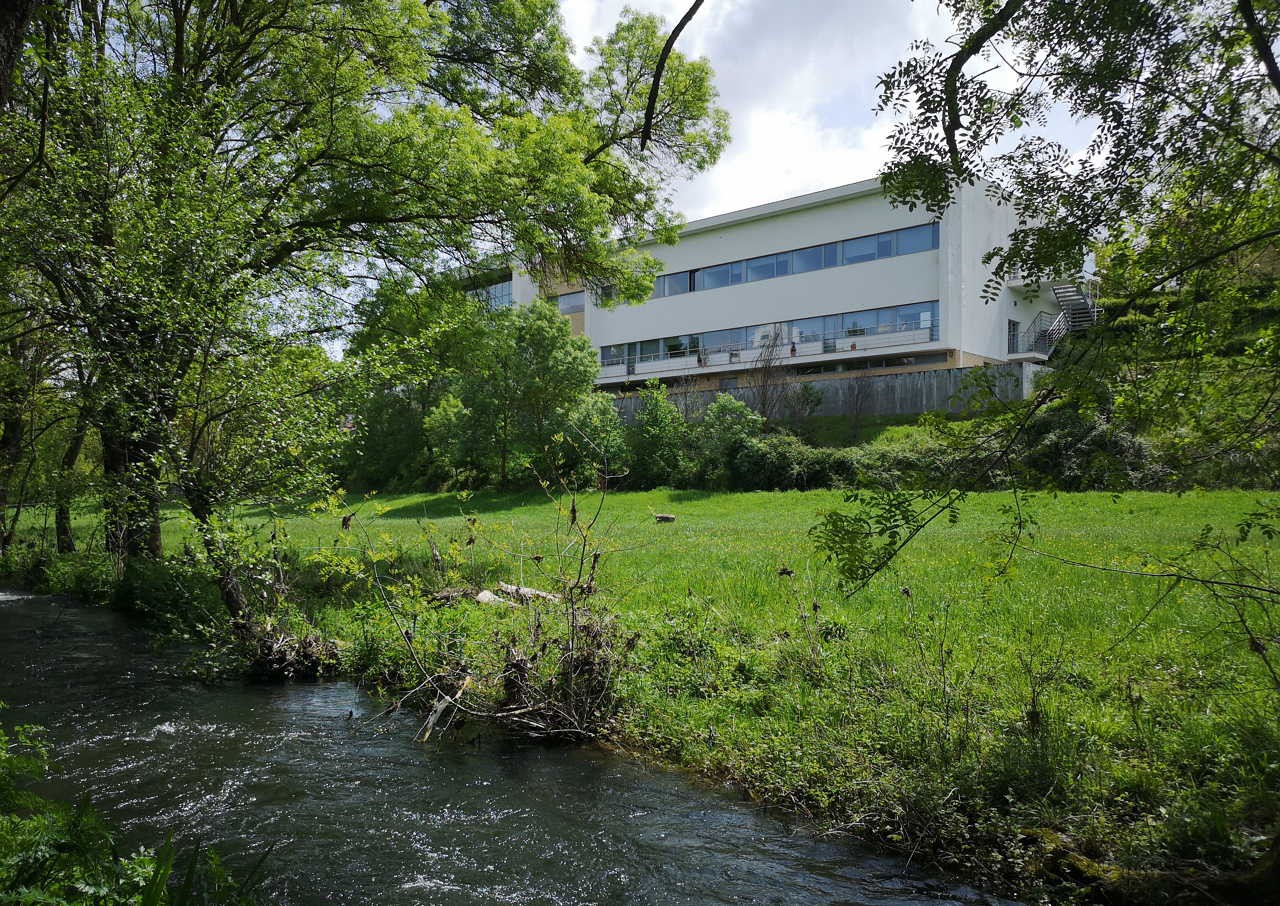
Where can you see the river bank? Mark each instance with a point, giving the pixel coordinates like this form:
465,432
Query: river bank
358,813
1042,730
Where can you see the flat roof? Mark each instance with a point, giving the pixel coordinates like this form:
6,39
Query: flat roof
783,206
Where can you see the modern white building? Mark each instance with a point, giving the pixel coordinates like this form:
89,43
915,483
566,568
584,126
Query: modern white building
833,282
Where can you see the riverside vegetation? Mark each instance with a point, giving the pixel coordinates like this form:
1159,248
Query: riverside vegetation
1039,728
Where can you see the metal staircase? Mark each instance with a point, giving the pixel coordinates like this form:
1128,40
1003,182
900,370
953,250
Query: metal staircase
1077,311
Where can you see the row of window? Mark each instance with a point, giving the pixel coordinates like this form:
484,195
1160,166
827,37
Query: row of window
798,261
829,330
496,295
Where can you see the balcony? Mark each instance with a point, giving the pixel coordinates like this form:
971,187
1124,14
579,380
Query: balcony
804,350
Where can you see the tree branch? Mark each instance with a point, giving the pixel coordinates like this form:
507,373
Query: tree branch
951,84
1261,43
657,72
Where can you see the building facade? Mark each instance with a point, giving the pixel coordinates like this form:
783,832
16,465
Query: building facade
833,283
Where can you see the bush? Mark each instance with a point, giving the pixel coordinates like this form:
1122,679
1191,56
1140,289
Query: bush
660,441
595,440
727,426
1072,450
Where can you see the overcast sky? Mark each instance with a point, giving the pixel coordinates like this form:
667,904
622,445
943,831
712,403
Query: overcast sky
798,78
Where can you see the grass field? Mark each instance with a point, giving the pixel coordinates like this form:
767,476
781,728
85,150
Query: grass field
999,722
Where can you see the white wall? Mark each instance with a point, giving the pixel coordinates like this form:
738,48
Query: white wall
872,284
972,227
954,274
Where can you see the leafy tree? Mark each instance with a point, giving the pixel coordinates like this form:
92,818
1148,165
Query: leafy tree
174,171
594,449
518,393
728,424
659,440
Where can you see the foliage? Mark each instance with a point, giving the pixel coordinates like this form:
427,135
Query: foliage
659,440
195,189
727,425
595,443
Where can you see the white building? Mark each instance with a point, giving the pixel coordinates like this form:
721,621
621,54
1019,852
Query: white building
830,282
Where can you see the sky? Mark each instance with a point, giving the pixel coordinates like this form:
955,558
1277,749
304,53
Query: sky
798,78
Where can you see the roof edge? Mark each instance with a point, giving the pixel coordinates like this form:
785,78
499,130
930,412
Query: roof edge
783,206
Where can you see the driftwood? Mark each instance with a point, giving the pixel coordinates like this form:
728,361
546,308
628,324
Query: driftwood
510,594
520,593
443,702
664,517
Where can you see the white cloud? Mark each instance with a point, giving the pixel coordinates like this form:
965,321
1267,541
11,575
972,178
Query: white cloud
799,81
780,152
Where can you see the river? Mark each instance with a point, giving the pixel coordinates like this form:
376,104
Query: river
362,814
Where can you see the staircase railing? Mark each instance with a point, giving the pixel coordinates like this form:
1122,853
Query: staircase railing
1077,311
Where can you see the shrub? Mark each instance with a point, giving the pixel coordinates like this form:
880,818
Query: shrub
660,441
727,426
1073,450
595,440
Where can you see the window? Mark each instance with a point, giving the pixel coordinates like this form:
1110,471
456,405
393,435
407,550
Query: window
496,295
834,333
677,284
809,259
885,245
831,254
571,303
917,239
761,268
859,323
1014,329
808,330
858,250
713,277
782,264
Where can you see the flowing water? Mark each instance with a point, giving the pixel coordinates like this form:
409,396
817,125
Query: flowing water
361,814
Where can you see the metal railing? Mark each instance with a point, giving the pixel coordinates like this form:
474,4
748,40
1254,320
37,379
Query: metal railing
784,348
1077,312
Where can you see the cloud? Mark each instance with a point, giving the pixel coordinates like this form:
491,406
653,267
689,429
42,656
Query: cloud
798,80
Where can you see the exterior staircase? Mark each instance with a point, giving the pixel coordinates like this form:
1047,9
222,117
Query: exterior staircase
1077,311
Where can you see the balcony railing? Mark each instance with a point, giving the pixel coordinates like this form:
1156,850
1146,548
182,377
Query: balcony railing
748,355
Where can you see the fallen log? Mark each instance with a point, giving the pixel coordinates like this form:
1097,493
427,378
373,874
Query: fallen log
664,517
521,593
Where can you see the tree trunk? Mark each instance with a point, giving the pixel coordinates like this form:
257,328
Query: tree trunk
65,540
11,431
131,506
224,560
15,16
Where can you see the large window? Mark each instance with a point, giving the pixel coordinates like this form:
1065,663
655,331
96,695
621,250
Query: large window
834,332
571,303
495,295
907,241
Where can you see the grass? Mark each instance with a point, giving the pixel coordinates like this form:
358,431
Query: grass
990,719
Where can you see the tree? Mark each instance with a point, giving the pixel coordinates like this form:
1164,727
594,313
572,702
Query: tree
1177,197
177,169
521,388
766,380
727,426
659,440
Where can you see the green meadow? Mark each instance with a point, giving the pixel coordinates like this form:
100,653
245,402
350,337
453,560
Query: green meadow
1015,717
